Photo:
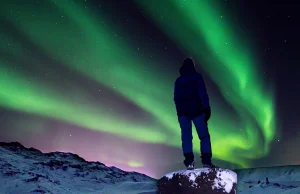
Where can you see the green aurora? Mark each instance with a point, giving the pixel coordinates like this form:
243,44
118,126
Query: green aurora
75,36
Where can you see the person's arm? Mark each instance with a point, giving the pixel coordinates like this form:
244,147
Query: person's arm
175,92
202,92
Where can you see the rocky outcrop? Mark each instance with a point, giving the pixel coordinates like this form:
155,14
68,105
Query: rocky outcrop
202,181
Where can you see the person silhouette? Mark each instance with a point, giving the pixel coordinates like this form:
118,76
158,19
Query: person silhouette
192,104
267,180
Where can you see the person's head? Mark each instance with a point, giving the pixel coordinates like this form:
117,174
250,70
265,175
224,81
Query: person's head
187,67
188,62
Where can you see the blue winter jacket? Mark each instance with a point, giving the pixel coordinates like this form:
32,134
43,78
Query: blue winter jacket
190,95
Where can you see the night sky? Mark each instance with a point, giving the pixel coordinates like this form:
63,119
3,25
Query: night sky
96,78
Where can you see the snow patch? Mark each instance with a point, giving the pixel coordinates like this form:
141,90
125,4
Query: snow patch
226,180
195,172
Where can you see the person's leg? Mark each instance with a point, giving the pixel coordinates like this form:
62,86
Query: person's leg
203,134
186,138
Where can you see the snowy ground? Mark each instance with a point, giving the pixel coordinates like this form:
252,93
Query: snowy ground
271,188
24,170
282,180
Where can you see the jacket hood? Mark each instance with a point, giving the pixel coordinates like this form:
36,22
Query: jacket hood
187,69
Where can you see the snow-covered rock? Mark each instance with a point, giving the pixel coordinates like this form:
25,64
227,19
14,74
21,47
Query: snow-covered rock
202,180
24,170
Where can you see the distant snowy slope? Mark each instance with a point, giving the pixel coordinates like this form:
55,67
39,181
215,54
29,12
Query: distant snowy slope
24,170
282,180
278,173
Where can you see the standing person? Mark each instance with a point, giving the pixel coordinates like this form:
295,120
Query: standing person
192,104
267,180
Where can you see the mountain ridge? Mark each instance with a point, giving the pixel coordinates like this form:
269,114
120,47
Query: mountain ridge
31,171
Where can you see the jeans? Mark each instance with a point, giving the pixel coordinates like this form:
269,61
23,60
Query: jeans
187,137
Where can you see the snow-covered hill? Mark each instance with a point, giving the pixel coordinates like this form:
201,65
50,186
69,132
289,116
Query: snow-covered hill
24,170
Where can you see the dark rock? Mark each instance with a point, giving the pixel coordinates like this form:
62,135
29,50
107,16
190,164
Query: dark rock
35,178
66,156
65,168
11,173
100,168
13,146
38,191
76,166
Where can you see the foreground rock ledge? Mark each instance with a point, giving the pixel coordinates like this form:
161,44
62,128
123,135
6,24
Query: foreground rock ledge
198,181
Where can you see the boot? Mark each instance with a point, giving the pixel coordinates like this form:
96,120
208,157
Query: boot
206,160
191,166
210,165
189,159
206,157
